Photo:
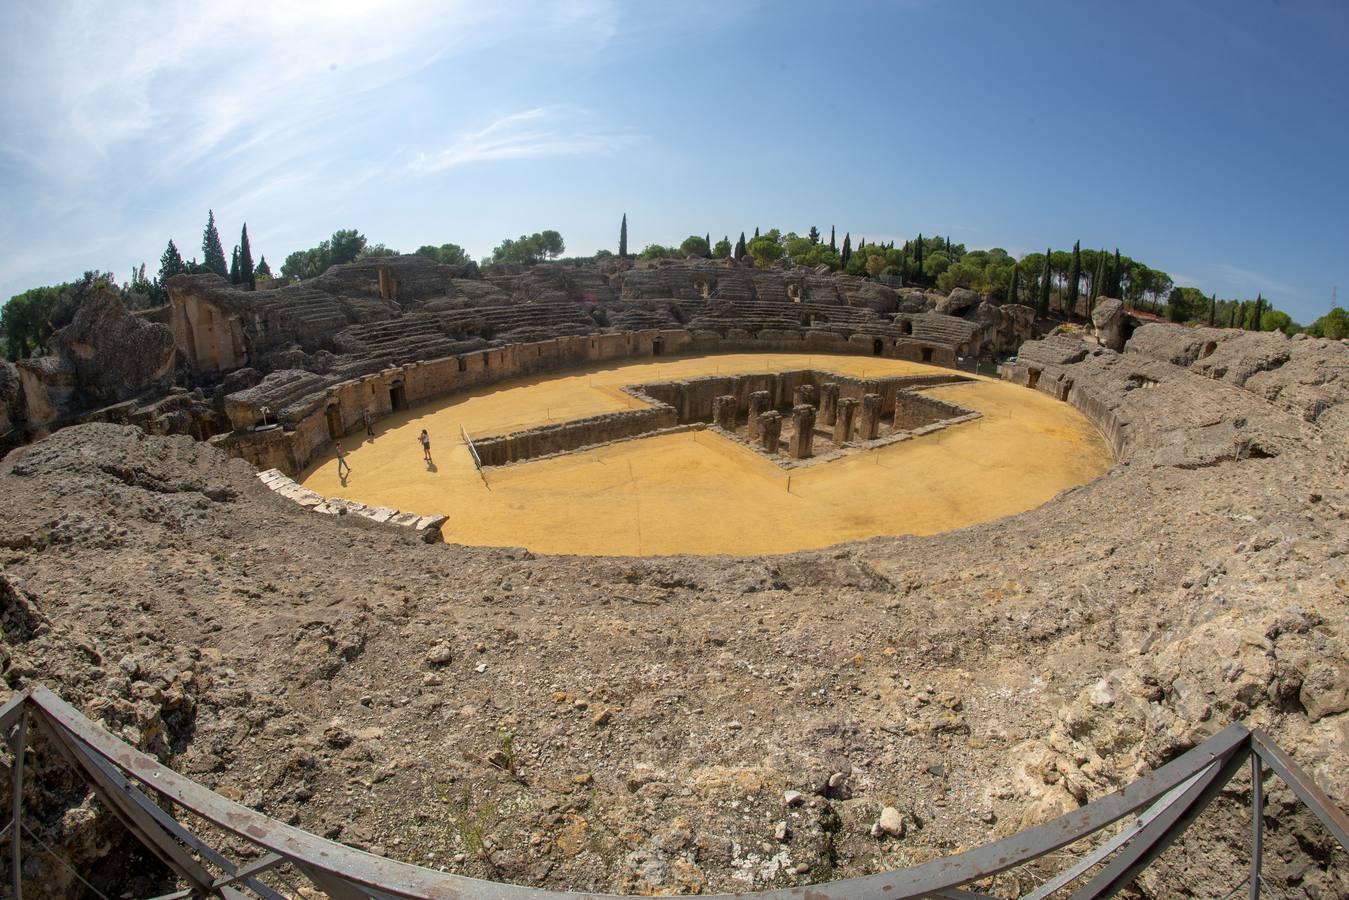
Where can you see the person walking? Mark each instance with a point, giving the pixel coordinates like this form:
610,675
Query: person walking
369,422
426,444
342,461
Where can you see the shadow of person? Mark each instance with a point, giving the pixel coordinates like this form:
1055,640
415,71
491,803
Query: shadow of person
431,466
343,478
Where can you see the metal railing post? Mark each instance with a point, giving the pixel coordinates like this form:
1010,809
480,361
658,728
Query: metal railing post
1257,822
18,741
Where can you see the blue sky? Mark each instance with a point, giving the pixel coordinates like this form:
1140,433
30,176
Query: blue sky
1206,139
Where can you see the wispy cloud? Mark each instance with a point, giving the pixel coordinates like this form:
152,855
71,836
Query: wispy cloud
131,118
1254,282
533,133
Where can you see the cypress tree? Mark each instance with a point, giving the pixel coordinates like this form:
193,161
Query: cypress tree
918,259
1212,310
708,238
234,266
263,268
246,274
1116,274
1074,277
170,264
1257,312
832,246
212,253
756,231
1043,306
847,248
1012,285
623,238
740,249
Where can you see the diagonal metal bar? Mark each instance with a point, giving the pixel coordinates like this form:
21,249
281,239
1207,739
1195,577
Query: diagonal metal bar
176,828
18,744
1153,840
136,819
1091,860
257,867
334,886
1331,816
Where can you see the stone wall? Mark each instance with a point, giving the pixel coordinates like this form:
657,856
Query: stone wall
564,437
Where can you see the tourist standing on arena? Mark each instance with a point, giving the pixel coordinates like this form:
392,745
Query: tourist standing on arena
342,461
426,444
369,422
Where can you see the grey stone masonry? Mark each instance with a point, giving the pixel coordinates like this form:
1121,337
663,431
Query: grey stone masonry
843,421
803,420
723,412
759,403
869,423
828,402
804,395
770,430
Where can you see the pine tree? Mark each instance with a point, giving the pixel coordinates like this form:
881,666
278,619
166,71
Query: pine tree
1074,278
263,269
1212,310
170,264
814,235
623,238
234,266
246,273
847,248
832,245
212,253
1012,285
1042,307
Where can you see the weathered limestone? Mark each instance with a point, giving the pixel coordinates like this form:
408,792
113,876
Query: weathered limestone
869,423
803,420
828,402
804,395
723,412
843,421
1108,316
770,430
759,402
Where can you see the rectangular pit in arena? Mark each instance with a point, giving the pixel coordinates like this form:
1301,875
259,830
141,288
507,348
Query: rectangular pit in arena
793,418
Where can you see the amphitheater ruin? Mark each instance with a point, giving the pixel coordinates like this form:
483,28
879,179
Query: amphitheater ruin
718,580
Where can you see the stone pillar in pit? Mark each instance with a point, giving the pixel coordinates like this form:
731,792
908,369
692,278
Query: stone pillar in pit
804,395
869,424
759,403
803,419
843,421
723,412
770,430
828,403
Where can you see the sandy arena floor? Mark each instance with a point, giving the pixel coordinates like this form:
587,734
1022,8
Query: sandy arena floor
700,493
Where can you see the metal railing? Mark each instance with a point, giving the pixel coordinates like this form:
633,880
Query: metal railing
137,789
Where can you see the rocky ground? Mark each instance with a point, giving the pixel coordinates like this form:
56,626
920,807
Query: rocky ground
686,725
